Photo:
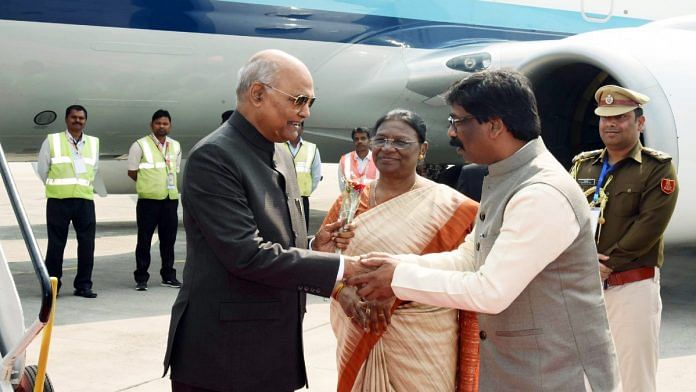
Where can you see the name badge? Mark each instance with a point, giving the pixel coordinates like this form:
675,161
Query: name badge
594,219
79,165
586,181
170,181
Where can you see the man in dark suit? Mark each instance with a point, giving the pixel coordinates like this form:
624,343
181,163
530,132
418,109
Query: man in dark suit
237,322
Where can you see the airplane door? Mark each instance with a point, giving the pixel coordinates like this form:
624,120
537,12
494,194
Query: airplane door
597,11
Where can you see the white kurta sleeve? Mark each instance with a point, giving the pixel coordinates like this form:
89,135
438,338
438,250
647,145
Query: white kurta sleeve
516,257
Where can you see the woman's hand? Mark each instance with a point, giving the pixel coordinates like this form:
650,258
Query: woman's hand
373,316
332,236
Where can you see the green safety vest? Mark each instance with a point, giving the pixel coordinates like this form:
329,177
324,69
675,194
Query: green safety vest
153,171
303,166
62,182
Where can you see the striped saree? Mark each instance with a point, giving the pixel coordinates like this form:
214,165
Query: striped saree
425,348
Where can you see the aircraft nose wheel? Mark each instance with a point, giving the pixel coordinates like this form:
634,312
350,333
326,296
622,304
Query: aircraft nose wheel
26,384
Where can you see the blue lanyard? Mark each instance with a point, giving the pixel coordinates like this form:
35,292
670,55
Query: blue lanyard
606,169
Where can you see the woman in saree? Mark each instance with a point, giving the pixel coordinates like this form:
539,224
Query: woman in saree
423,348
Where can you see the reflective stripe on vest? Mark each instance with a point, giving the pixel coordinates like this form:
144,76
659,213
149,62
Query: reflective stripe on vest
153,172
303,166
62,182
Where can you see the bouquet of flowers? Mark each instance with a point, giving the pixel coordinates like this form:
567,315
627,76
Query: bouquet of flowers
349,203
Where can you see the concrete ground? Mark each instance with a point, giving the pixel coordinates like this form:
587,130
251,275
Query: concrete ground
116,342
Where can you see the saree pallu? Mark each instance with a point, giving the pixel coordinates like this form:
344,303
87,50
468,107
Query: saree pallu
425,348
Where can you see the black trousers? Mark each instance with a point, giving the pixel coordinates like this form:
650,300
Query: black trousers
59,214
305,206
162,215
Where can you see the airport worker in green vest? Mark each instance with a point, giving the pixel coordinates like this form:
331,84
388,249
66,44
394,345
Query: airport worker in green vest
153,163
308,167
67,164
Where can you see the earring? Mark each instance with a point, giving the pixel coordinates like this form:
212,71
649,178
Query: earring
421,157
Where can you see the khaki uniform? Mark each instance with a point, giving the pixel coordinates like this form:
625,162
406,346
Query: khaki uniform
637,209
641,193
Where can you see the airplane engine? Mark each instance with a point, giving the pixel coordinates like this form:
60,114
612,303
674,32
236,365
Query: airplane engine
655,60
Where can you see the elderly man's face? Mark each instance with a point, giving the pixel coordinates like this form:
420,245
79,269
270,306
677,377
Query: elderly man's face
281,115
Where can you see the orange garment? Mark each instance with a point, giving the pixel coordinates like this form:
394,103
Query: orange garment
350,170
430,219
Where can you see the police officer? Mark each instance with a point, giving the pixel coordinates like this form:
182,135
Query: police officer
153,163
308,167
632,191
67,164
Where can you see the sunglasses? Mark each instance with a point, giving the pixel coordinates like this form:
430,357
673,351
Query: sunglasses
298,101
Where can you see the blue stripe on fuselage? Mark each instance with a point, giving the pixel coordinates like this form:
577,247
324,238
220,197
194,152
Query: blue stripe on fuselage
280,21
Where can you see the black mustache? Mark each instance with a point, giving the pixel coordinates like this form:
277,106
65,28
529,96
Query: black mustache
455,142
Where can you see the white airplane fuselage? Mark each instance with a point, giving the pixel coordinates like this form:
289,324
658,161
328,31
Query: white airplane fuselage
365,60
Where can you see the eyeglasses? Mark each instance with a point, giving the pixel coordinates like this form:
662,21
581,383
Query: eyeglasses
383,142
453,121
298,101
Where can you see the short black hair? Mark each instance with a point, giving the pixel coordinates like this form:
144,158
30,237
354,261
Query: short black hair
226,115
77,108
411,118
161,113
503,94
364,130
638,112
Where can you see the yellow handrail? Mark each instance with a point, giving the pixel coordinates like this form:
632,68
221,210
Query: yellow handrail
46,340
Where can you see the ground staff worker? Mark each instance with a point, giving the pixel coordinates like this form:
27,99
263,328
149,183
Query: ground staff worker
67,164
308,167
153,163
632,191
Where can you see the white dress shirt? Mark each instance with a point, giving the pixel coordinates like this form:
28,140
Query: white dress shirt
539,225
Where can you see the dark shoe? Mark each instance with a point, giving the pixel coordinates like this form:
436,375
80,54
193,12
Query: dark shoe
141,286
86,293
171,283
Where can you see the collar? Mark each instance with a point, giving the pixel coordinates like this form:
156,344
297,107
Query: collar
635,154
368,157
521,157
72,139
154,138
250,133
299,144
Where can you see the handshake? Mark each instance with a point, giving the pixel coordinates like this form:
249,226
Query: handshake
365,293
370,274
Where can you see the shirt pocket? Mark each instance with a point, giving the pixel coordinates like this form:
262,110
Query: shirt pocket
626,201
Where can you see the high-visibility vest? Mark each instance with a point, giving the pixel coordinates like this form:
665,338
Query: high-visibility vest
155,168
62,182
303,166
349,168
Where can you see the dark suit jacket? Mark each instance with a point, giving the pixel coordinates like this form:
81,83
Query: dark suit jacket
237,322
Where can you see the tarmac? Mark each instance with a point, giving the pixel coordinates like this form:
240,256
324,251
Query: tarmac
116,342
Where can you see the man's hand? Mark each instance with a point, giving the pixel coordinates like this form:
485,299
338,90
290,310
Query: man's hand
604,271
332,236
375,285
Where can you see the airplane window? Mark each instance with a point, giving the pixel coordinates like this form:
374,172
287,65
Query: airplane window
46,117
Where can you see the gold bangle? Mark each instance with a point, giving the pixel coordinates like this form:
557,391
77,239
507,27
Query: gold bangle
338,290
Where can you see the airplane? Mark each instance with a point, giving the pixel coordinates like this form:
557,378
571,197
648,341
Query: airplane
124,60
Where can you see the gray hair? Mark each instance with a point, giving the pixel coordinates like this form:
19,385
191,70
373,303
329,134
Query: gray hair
259,68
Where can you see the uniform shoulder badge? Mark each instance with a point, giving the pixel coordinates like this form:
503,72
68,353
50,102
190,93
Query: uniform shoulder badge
659,155
587,155
668,185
